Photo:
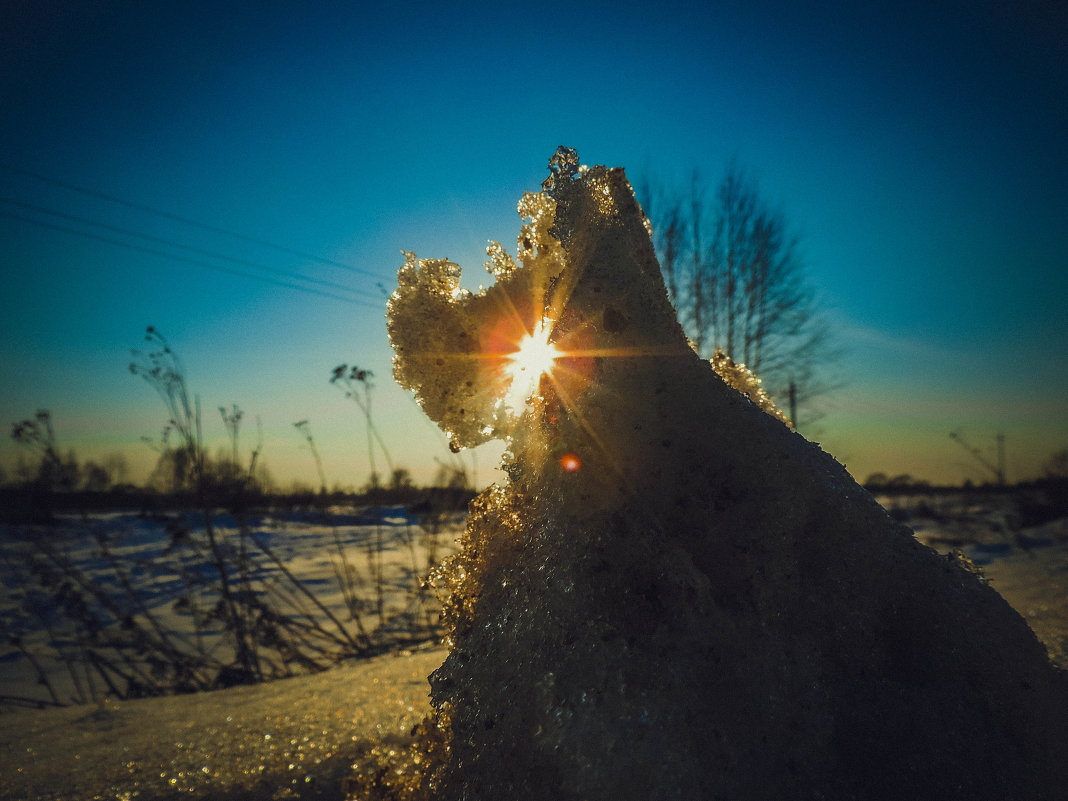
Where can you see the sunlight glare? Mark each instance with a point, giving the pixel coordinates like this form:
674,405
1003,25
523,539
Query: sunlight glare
535,357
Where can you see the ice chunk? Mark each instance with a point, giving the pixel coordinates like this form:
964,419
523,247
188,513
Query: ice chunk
674,595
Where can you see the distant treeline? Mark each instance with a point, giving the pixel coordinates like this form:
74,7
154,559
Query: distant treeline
1054,476
879,484
32,503
1035,502
187,477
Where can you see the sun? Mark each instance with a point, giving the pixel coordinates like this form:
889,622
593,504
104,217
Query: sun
535,357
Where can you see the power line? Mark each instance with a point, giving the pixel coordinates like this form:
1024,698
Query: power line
191,248
185,220
175,257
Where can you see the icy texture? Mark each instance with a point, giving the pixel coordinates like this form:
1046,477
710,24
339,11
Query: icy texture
290,739
674,595
739,377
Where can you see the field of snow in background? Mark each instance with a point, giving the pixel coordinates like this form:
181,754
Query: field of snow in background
1017,539
297,738
332,554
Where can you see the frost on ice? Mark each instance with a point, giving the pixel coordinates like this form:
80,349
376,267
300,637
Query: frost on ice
674,595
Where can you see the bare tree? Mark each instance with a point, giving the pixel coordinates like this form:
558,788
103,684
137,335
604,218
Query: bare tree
733,273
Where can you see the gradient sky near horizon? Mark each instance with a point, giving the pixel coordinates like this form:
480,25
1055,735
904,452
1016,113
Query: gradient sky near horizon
917,149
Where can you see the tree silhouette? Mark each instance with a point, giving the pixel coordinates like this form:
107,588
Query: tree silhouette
734,275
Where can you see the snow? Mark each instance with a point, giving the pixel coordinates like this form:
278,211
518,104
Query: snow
289,738
300,737
1026,564
292,738
315,549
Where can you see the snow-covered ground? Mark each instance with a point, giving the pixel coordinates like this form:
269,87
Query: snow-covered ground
289,739
297,738
125,564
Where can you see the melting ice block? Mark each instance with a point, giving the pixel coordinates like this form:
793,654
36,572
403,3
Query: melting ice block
674,595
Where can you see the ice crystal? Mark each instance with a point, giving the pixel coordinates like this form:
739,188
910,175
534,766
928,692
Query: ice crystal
500,265
563,168
741,378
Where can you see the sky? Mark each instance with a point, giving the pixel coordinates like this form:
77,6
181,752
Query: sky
244,179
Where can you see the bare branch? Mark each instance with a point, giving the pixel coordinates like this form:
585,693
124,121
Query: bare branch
735,277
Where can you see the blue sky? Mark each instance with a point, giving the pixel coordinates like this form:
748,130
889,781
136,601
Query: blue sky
918,152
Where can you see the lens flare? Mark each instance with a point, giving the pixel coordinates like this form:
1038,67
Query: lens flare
570,462
535,357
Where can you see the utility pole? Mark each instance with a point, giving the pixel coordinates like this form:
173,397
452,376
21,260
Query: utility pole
793,403
999,469
1001,458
